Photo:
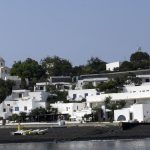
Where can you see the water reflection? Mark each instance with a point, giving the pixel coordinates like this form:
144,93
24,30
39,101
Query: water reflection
82,145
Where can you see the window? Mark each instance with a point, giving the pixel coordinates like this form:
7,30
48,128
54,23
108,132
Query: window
20,95
121,118
146,80
16,108
86,94
8,104
4,110
41,87
25,108
66,108
131,116
77,107
74,96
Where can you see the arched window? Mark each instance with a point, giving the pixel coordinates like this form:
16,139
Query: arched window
121,118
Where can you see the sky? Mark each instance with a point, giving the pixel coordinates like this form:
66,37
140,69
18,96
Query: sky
73,29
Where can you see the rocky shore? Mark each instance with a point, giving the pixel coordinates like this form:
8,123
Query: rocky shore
78,132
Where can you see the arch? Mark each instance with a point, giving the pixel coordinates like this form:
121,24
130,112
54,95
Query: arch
121,118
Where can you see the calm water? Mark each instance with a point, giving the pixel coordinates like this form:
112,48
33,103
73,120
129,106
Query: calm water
82,145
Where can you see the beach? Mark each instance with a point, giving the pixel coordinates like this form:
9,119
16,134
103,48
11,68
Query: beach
77,133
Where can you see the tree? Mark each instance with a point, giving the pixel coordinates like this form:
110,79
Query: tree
22,116
88,86
59,96
51,88
56,66
97,113
40,114
29,69
140,60
139,56
14,117
38,111
132,79
113,105
94,65
77,70
126,66
108,87
5,89
51,110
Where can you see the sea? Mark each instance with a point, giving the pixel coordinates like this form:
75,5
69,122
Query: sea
140,144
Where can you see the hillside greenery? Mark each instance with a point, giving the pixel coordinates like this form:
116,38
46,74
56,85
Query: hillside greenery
32,71
5,89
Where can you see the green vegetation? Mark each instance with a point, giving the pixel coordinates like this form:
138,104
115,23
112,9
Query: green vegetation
57,94
138,60
88,85
113,105
5,89
29,69
14,117
97,113
94,66
34,115
56,66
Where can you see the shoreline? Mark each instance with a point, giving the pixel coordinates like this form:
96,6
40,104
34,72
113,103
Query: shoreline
78,133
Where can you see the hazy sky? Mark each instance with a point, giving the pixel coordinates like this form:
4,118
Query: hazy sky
73,29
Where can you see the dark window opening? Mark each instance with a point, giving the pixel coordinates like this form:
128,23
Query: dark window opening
41,88
121,118
20,95
86,94
16,108
131,116
25,108
74,96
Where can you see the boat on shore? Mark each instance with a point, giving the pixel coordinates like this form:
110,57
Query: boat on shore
30,132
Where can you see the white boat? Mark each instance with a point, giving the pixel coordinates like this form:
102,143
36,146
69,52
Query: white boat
30,132
19,132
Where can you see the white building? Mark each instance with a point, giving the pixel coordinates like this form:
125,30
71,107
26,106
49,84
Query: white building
145,78
78,95
136,94
75,110
5,74
137,102
61,83
23,101
95,81
58,82
4,71
112,66
41,86
136,112
145,87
